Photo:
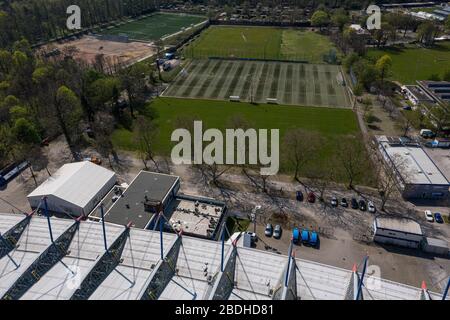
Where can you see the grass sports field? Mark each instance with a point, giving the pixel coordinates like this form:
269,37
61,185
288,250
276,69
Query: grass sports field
156,26
261,43
330,123
413,63
289,83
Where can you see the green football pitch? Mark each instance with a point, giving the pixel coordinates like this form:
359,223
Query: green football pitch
411,63
289,83
155,26
330,123
260,43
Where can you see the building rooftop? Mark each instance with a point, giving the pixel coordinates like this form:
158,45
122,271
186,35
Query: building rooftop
75,182
130,206
404,225
417,166
132,268
196,216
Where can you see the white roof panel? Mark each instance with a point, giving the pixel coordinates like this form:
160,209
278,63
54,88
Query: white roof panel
76,182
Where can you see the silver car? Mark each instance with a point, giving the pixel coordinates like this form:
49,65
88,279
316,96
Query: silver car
277,232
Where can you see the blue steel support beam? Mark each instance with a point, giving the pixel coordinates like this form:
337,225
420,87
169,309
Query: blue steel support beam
444,295
161,230
48,219
361,280
104,227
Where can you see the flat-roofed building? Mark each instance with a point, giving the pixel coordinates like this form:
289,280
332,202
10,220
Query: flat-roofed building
400,232
151,193
418,177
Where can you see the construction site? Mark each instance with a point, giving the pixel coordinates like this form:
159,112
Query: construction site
44,258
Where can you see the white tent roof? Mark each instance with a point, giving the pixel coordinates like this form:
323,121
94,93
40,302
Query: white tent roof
76,183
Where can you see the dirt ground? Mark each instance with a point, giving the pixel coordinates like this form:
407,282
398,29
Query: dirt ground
344,233
89,47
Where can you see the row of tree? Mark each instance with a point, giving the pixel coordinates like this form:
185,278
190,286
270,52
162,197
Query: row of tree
39,21
44,97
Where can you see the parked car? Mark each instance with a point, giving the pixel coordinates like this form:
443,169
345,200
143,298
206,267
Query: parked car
296,235
277,232
269,230
344,203
299,196
427,133
371,207
311,197
429,216
354,204
313,238
438,218
305,236
362,205
334,202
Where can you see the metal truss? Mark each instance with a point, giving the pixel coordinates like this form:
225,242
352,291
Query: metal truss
104,266
9,239
49,258
223,283
165,270
287,289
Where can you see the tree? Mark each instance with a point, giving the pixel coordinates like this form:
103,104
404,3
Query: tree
68,112
146,136
320,19
387,178
133,80
384,66
350,155
340,19
447,23
298,147
440,116
427,32
446,76
25,131
104,126
405,124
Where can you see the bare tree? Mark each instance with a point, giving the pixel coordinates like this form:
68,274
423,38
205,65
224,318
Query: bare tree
388,176
322,177
298,147
147,133
351,156
104,126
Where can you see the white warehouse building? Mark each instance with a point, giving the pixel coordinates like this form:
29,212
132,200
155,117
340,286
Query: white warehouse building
75,189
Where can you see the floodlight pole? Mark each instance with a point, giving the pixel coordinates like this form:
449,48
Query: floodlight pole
103,226
286,280
444,296
362,278
48,219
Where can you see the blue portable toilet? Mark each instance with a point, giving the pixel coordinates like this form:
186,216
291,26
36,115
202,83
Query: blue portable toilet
313,238
305,235
295,235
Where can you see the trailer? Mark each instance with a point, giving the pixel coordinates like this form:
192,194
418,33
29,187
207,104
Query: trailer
12,171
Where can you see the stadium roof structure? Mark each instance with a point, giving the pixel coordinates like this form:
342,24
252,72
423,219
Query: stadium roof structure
51,258
75,182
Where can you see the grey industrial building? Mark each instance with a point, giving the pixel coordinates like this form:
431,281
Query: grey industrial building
418,177
400,232
80,261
